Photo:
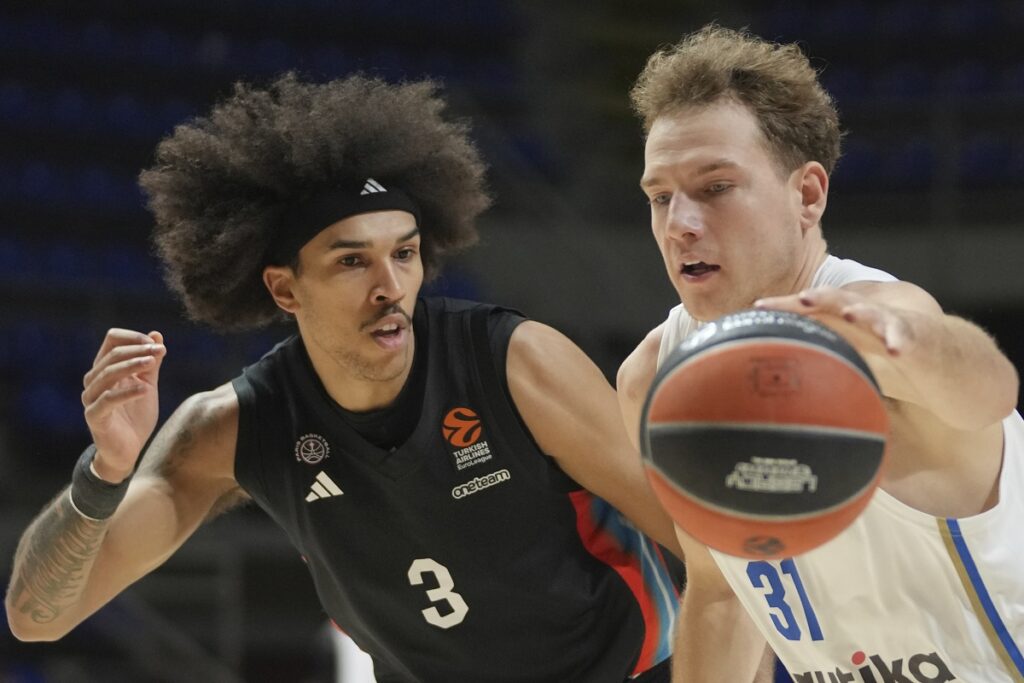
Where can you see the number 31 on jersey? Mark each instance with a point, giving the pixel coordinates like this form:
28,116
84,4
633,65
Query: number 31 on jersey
765,576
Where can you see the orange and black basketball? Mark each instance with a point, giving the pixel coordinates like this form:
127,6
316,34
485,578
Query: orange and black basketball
764,434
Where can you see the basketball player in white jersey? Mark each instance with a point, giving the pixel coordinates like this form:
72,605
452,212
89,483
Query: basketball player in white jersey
928,584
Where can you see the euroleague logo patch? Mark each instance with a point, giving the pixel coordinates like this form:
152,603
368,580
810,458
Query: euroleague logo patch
463,430
311,448
461,427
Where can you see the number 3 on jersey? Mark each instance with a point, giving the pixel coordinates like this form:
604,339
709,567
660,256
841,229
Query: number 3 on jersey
444,591
764,575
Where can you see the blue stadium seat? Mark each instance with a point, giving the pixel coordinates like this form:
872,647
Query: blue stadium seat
52,405
18,262
905,18
159,47
126,115
849,17
269,56
96,186
130,268
32,342
1015,165
985,160
100,41
845,84
1011,79
72,110
909,165
69,264
785,20
858,167
329,61
9,34
172,112
9,181
968,79
967,18
904,81
41,183
40,34
17,104
213,51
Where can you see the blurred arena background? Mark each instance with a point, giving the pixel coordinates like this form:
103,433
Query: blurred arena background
930,187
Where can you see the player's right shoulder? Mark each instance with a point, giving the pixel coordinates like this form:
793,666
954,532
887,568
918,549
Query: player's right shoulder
637,372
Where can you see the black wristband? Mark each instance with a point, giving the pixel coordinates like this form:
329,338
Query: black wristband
90,495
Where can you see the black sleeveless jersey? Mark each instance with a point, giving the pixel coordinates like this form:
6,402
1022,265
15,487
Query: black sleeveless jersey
465,554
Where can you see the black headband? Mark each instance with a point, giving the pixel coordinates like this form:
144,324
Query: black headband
309,216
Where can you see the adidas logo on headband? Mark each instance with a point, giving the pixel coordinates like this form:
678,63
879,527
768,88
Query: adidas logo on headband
372,187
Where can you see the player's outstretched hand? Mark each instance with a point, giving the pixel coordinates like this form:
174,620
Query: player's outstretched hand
121,399
871,327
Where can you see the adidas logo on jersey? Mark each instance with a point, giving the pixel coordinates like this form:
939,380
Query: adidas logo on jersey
323,487
920,668
372,187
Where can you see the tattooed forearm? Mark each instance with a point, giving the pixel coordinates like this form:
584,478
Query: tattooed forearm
53,560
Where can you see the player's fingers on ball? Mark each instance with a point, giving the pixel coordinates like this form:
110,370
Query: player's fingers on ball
109,376
868,317
825,299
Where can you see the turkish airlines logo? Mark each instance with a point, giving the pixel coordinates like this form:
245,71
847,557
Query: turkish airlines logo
461,427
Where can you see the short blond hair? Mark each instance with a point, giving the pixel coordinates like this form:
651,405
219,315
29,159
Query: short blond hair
776,82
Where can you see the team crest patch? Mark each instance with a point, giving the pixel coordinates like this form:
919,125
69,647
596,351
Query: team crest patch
463,430
311,448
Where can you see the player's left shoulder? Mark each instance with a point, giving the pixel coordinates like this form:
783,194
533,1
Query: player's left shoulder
536,349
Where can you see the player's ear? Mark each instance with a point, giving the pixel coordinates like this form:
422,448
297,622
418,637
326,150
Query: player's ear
280,282
813,185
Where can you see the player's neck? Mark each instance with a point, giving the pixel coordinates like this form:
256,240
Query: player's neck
358,389
814,255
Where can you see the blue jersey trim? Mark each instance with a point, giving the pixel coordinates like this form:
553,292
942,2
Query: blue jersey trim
984,598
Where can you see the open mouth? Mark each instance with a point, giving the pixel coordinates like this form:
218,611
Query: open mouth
387,332
698,268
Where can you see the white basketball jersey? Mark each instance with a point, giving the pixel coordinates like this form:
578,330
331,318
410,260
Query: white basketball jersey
899,596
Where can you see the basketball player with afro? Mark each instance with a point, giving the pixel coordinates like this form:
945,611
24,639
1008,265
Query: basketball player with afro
441,466
928,583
